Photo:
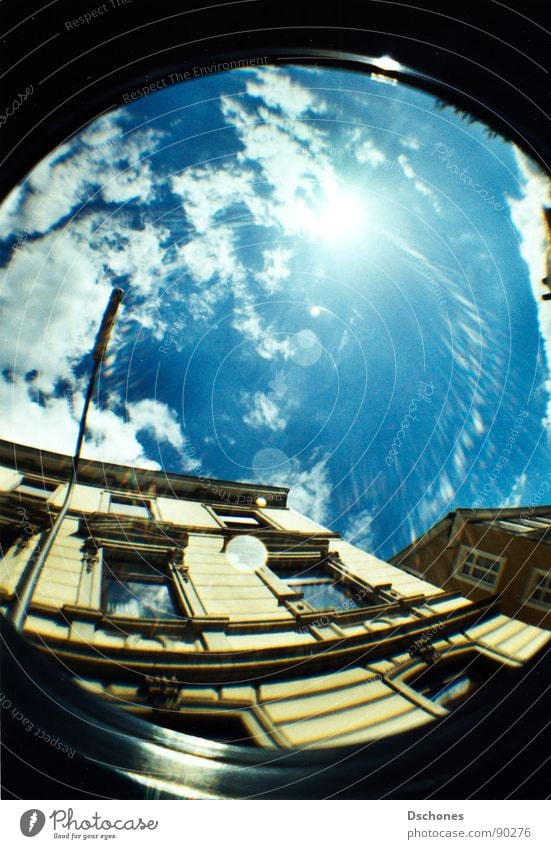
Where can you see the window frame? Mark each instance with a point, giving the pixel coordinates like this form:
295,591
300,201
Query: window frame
217,511
165,577
463,554
533,586
42,489
333,579
144,502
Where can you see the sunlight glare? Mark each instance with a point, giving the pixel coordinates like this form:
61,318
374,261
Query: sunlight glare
338,218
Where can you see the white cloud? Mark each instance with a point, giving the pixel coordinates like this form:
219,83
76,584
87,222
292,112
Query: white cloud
50,426
419,184
112,438
9,217
139,253
309,488
411,144
368,153
54,291
211,255
266,343
358,530
407,168
290,153
279,92
158,419
275,181
58,282
261,411
207,191
99,163
276,268
55,288
53,425
45,326
310,491
527,216
518,493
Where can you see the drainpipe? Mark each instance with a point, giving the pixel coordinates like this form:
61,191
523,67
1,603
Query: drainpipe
19,607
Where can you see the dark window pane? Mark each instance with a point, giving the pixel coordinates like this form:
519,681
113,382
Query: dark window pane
319,587
135,565
325,596
37,487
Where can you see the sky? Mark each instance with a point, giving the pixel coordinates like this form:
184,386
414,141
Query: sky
332,284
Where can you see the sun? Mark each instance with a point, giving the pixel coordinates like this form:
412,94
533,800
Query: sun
340,217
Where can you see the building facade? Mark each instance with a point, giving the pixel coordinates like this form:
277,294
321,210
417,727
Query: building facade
485,553
213,608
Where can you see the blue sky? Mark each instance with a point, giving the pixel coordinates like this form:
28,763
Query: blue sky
332,284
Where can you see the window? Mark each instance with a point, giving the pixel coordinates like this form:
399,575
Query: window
8,535
138,584
37,486
480,567
237,519
127,505
318,587
540,594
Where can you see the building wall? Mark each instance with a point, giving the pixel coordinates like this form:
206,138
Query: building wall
232,653
437,562
516,578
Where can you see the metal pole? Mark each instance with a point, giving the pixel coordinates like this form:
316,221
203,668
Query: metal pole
19,607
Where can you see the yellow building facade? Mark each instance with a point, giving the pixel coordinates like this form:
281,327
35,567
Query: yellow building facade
503,553
213,608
